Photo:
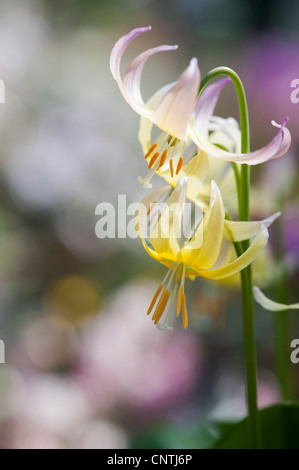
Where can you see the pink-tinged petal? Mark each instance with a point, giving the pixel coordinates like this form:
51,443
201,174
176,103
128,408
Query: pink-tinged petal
206,103
119,49
276,148
145,126
130,84
132,77
174,111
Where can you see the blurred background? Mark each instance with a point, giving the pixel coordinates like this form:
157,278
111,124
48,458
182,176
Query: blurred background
84,366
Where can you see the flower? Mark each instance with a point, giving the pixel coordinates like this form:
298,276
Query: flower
180,114
170,108
207,252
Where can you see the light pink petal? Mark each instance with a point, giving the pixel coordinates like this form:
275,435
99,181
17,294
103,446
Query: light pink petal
174,111
132,77
276,148
206,104
119,49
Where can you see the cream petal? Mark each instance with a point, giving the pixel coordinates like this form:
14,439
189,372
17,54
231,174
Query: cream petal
238,231
206,103
166,232
225,133
146,125
276,148
269,304
132,77
174,111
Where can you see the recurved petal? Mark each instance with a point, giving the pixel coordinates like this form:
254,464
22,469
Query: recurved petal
206,103
119,49
274,149
269,304
131,83
174,111
238,231
239,263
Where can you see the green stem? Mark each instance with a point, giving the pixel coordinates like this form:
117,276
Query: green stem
282,318
243,186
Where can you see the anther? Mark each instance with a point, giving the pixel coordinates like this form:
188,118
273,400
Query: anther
185,313
153,159
154,299
150,150
179,301
179,165
171,167
161,306
163,159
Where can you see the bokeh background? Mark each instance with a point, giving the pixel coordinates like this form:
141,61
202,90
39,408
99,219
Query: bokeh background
85,367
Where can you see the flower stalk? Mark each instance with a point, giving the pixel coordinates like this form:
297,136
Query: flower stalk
243,189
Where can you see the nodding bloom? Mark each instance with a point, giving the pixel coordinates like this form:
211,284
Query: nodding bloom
269,304
206,249
180,114
170,108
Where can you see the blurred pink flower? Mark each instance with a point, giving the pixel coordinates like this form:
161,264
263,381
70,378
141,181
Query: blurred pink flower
125,361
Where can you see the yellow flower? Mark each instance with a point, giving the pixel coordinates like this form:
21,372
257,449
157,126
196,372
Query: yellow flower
208,252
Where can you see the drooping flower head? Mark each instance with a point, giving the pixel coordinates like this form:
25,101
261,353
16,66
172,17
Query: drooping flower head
206,251
170,108
181,116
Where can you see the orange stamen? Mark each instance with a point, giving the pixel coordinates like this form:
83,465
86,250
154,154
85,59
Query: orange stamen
150,150
163,158
161,306
185,313
179,301
154,299
153,160
171,167
179,165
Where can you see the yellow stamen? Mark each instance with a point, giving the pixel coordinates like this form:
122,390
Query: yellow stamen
171,167
153,160
185,313
179,165
179,301
150,150
161,306
154,299
163,159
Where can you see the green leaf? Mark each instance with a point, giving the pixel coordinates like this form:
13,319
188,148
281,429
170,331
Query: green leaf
166,436
279,426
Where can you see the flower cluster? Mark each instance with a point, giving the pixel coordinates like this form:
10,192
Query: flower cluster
193,153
